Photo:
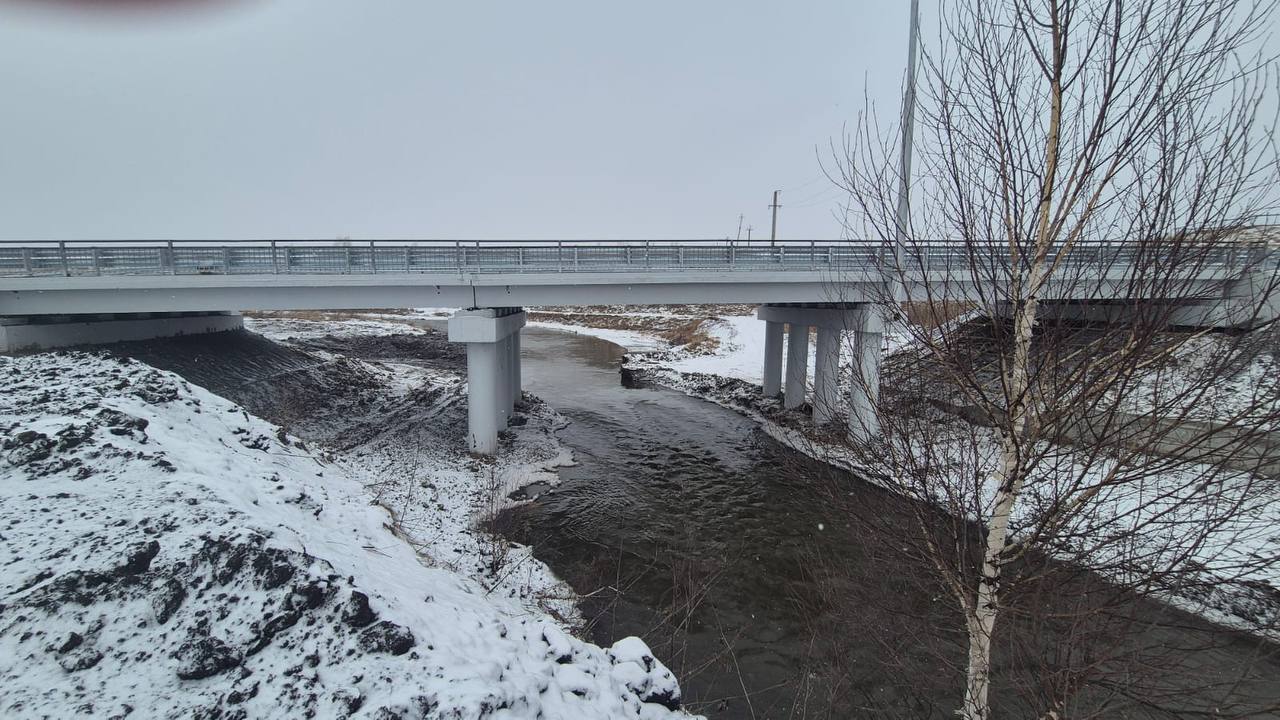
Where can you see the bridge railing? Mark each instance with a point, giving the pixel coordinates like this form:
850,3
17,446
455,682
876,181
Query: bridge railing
72,258
91,258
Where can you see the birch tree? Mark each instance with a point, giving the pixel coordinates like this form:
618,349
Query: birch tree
1108,150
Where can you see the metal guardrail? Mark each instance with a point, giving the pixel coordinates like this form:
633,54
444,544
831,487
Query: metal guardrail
93,258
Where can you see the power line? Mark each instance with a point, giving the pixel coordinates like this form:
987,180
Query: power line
805,184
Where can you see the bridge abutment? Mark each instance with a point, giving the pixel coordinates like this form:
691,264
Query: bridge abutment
45,332
492,337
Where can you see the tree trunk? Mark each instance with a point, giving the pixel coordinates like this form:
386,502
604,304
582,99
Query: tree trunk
1025,290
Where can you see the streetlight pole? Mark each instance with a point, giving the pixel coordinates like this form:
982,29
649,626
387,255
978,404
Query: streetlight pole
904,159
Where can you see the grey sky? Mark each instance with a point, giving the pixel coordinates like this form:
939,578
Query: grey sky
402,118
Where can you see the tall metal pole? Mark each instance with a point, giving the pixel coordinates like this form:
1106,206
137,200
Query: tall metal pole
904,160
773,234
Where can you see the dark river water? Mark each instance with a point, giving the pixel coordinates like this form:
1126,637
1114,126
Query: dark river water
685,525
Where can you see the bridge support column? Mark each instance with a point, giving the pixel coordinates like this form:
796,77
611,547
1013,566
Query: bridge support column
502,379
832,321
517,386
493,360
797,365
826,373
772,358
864,390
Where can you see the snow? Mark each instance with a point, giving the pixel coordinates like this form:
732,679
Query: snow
1249,393
630,340
283,327
165,553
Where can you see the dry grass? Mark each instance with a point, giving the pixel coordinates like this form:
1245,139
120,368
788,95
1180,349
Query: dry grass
325,315
931,315
693,335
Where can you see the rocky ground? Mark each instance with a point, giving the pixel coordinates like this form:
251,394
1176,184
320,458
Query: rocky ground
168,554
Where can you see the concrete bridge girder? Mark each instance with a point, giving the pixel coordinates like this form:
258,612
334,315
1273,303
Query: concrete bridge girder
46,332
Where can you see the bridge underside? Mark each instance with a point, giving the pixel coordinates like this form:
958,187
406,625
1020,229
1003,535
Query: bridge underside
45,332
54,295
198,293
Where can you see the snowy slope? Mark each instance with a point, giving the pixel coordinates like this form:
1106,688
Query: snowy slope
166,554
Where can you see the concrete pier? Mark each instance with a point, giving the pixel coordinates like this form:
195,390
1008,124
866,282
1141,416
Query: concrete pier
826,374
797,365
44,332
864,390
772,358
492,337
832,321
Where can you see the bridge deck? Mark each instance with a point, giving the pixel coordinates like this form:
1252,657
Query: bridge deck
120,277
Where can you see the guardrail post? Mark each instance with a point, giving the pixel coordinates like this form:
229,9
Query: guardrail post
813,262
62,253
346,260
275,266
575,258
733,256
646,253
679,256
373,258
226,260
408,264
626,253
288,259
26,260
782,255
559,256
173,261
97,261
457,254
520,258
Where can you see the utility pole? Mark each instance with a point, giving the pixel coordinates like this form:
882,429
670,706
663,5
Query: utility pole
904,161
739,226
773,234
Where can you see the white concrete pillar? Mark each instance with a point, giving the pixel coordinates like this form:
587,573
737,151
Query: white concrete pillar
504,381
482,397
826,368
797,365
517,385
491,382
772,358
864,392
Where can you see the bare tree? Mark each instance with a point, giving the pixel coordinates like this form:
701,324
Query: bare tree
1089,174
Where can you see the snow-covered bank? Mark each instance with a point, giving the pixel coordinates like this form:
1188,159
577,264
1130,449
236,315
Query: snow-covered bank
167,554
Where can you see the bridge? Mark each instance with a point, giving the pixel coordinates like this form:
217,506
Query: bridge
66,293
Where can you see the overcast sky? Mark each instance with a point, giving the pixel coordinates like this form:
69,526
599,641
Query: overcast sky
404,118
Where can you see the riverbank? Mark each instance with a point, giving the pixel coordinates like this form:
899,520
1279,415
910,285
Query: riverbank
167,552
